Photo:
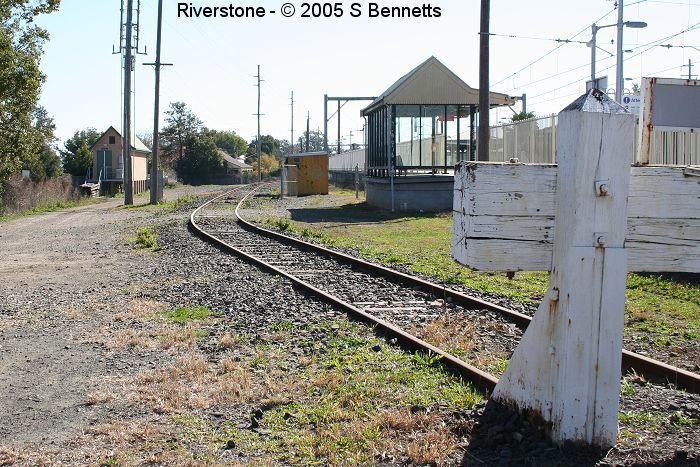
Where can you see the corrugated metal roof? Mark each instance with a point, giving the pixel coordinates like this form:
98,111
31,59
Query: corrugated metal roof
431,82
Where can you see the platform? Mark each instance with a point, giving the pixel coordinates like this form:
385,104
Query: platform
412,193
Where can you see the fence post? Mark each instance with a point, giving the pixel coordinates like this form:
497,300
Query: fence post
357,182
567,366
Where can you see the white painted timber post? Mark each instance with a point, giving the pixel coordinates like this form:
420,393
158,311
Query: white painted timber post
567,366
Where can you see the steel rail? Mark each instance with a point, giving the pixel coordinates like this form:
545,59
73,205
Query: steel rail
642,365
482,380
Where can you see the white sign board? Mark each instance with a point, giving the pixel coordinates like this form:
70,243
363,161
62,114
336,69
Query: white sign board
632,103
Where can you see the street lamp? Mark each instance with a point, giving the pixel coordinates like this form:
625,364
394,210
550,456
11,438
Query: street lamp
594,30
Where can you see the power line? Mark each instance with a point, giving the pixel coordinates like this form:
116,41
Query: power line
512,36
551,51
648,45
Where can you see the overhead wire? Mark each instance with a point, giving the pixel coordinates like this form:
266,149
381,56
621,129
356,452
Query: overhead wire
648,45
550,52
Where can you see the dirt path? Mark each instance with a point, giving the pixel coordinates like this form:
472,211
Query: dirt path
54,270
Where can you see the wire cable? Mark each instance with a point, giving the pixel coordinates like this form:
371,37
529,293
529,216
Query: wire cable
551,51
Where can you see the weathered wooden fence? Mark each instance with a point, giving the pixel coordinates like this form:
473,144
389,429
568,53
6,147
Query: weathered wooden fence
581,220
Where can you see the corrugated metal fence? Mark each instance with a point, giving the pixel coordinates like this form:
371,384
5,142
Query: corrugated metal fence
534,141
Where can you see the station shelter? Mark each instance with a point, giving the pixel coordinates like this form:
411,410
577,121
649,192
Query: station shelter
417,130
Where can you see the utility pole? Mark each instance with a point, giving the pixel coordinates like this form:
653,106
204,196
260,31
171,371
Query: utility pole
129,45
620,80
484,104
325,123
338,127
292,136
258,145
126,136
308,136
156,188
690,69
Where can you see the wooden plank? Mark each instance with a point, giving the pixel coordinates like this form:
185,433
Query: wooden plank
663,193
511,227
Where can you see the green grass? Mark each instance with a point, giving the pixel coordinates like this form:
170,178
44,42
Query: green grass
329,410
50,207
419,242
187,314
627,387
666,308
166,205
146,238
644,419
651,419
359,377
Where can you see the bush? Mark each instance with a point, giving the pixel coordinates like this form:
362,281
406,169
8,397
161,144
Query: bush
21,194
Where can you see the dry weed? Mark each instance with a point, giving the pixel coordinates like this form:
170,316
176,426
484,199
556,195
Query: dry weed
140,310
132,338
99,397
421,436
404,420
180,336
8,456
226,341
306,361
449,332
433,447
228,365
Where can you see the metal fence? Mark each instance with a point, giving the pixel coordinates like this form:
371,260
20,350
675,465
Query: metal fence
347,161
532,140
535,141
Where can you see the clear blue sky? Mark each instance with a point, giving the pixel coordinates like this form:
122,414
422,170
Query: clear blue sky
215,59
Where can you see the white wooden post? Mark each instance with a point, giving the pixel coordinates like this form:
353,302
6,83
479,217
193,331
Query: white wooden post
567,366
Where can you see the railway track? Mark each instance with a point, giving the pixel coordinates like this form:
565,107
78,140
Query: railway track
403,307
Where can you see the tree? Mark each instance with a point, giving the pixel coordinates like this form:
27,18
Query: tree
77,156
229,142
44,163
181,125
268,145
269,165
636,89
201,159
522,116
315,141
21,44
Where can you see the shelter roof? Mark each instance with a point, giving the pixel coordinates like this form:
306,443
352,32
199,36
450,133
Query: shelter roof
432,82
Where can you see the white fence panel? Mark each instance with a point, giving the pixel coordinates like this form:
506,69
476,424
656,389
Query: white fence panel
347,161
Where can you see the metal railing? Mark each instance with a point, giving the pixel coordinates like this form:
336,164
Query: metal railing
530,141
534,141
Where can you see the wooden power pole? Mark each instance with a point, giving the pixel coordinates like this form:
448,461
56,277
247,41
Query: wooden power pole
156,188
484,105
